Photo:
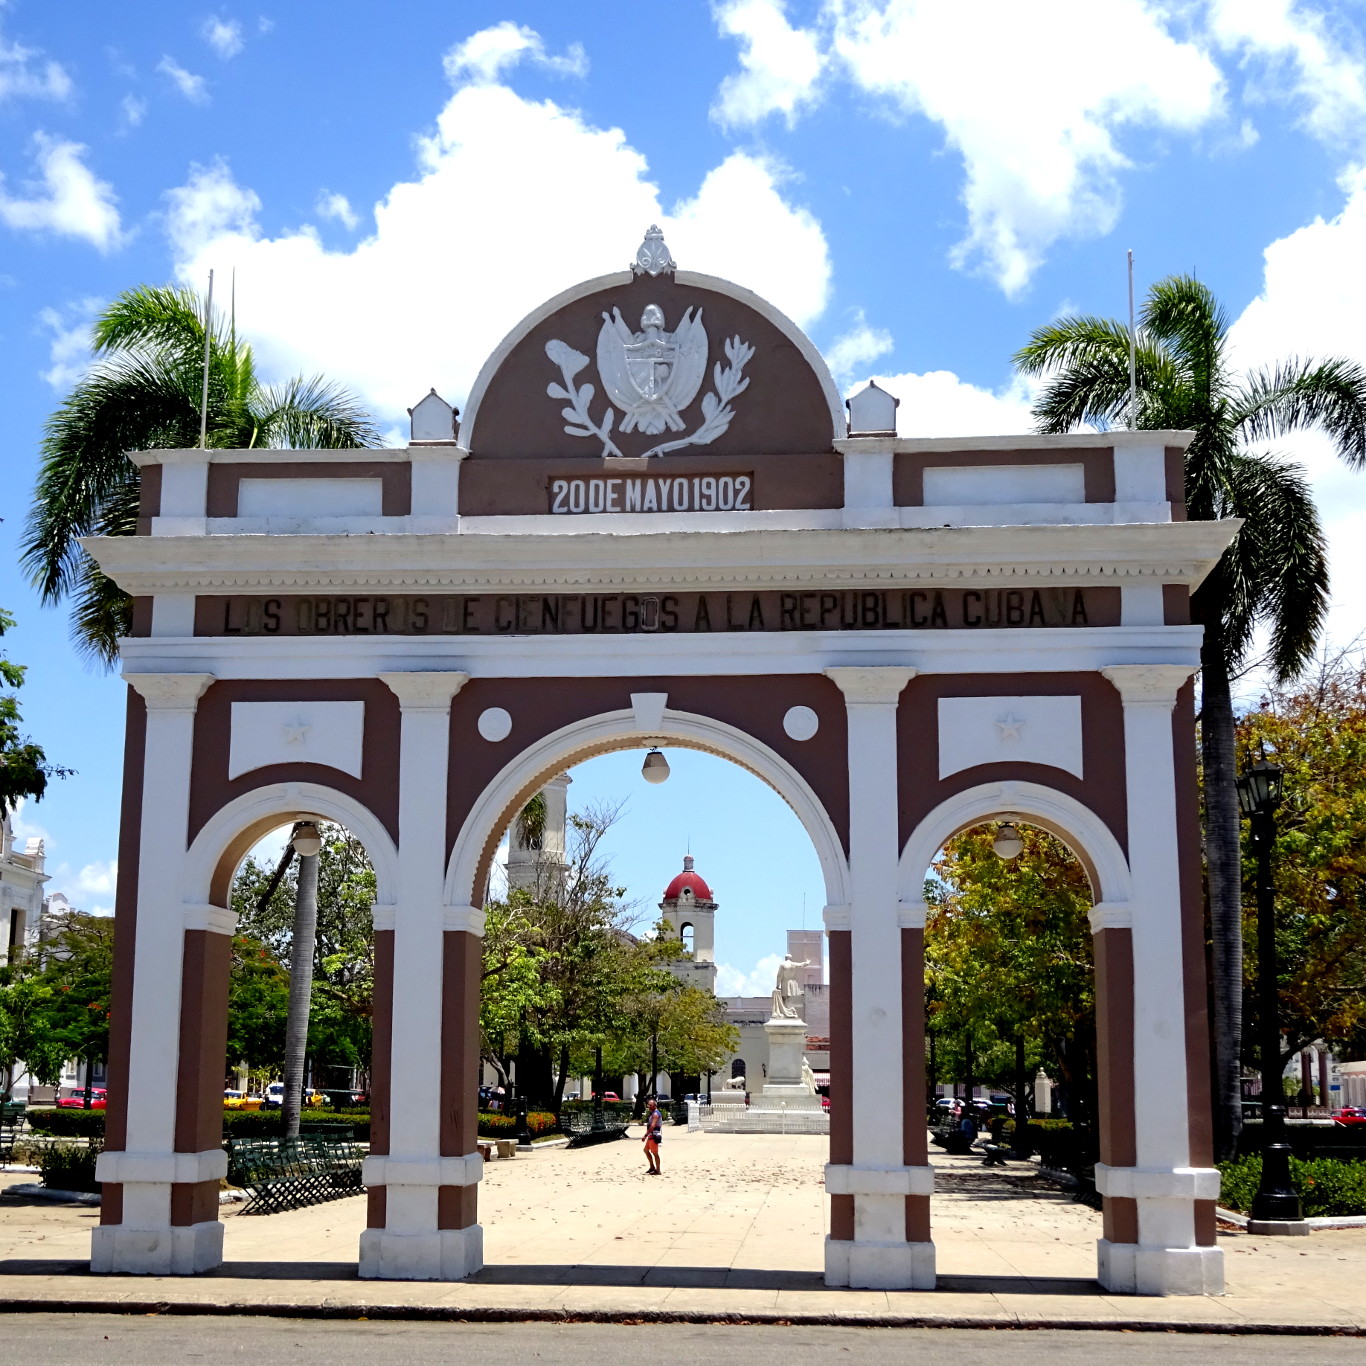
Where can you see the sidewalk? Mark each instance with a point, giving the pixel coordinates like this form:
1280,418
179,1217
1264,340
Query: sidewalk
732,1232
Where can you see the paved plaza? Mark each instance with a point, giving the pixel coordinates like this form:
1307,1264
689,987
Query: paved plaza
733,1228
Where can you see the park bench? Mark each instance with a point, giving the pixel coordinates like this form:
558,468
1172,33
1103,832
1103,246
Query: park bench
11,1122
283,1174
953,1140
578,1124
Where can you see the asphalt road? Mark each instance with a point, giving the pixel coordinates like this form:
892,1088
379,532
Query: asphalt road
151,1340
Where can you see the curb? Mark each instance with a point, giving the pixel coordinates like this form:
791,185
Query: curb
453,1314
34,1191
1316,1222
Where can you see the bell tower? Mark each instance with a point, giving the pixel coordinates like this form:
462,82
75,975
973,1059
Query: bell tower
690,910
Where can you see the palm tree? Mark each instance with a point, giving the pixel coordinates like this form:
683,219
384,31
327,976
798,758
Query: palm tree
143,393
1274,575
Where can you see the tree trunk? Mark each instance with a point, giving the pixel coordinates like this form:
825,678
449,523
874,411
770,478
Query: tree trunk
1223,863
562,1078
301,953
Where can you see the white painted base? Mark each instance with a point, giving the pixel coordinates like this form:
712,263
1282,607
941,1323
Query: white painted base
1132,1269
448,1255
1283,1228
178,1251
879,1266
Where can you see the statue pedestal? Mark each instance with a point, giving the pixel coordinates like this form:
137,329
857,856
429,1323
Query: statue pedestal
786,1042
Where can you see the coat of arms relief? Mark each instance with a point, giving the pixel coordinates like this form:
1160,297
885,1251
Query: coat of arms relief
651,375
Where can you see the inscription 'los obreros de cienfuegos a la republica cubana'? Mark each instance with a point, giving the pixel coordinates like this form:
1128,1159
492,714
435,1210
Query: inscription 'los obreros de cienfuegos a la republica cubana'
908,609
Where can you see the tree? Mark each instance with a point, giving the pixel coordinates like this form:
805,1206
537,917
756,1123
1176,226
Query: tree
143,393
1316,731
24,767
1008,956
561,968
1274,574
341,999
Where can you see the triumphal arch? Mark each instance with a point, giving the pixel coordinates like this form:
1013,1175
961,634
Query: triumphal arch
658,524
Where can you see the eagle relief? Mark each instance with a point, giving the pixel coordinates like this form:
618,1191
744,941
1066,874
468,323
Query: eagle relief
651,376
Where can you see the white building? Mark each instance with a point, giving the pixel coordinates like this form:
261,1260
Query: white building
21,889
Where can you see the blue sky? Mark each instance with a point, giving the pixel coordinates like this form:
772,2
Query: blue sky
917,184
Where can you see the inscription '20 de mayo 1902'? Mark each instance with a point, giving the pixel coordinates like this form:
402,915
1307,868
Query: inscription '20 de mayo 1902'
648,493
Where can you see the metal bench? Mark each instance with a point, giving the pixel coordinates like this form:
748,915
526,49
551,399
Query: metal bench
11,1122
283,1174
582,1131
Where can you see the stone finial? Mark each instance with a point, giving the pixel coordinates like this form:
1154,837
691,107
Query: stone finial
653,257
872,412
433,420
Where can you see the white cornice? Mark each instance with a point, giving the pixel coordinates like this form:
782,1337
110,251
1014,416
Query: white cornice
358,455
1174,552
1029,441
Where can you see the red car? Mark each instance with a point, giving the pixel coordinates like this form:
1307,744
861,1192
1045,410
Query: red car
99,1099
1350,1114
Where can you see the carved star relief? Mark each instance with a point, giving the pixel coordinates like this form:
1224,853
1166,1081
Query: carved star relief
1009,726
296,732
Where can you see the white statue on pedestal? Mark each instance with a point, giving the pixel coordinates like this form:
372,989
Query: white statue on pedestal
808,1076
788,986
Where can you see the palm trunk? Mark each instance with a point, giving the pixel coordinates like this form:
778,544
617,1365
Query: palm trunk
1223,864
300,990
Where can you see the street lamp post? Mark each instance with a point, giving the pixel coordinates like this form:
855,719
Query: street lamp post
1276,1208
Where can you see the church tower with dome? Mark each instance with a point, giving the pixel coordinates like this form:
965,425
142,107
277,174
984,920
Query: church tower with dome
689,909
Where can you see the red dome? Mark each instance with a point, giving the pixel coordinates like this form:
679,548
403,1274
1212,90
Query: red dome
687,878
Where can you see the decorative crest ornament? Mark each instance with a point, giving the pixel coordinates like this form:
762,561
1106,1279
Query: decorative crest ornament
653,257
651,375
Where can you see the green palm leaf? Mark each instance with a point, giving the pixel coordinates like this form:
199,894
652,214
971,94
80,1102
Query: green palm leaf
144,393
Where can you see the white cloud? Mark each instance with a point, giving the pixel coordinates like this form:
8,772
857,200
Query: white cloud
485,56
133,109
1034,104
731,981
224,36
573,201
780,64
194,88
1304,60
90,888
1311,304
938,403
25,74
857,348
69,200
338,206
25,829
69,347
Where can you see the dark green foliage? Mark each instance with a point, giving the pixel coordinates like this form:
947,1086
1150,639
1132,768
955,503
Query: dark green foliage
69,1166
67,1123
24,767
1329,1189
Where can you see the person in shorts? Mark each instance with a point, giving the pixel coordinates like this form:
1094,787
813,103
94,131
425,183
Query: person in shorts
654,1136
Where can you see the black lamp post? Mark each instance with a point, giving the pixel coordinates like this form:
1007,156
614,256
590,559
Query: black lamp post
1276,1201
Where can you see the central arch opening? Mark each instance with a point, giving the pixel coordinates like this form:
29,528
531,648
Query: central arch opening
712,876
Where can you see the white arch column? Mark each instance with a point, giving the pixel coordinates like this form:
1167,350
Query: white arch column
421,1196
876,1251
1163,1186
161,1188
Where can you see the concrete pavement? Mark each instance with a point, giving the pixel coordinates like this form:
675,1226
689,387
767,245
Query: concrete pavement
733,1229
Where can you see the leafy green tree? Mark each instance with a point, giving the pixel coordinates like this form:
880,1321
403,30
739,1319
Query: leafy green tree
341,1002
1008,956
143,392
1316,731
24,1035
1274,574
24,767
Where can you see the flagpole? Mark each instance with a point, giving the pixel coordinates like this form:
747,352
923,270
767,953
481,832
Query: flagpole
1133,358
204,398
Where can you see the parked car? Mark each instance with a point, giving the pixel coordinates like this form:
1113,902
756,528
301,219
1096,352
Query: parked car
99,1099
609,1095
240,1100
1350,1114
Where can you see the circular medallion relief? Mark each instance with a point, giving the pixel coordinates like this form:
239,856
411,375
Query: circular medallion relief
801,723
495,723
